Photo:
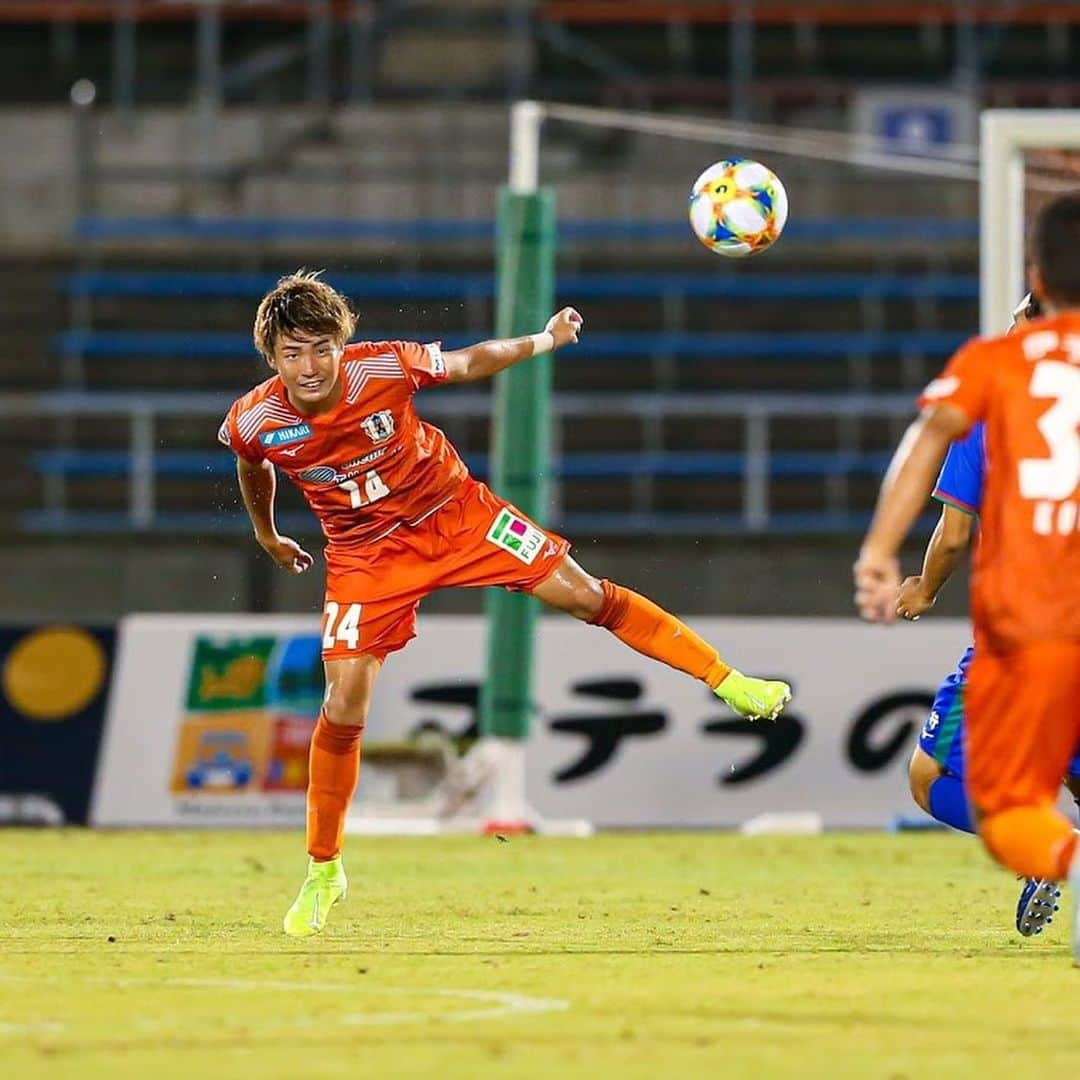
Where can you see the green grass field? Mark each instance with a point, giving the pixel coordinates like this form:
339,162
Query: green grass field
664,955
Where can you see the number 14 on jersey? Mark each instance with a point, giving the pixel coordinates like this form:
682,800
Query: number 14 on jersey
373,490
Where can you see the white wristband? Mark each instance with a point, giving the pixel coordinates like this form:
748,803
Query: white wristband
543,342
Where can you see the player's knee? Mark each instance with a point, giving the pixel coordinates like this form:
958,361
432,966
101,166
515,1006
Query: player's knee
346,709
587,600
923,770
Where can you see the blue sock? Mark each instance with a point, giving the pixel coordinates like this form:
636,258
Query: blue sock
948,803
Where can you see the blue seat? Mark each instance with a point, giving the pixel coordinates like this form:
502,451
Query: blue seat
96,227
203,285
601,465
113,463
162,344
798,523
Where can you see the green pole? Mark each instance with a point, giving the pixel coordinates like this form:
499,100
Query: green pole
520,442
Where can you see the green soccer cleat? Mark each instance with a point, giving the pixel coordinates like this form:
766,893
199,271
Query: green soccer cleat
753,699
325,885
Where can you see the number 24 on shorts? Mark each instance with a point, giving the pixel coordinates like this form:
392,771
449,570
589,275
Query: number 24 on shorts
345,630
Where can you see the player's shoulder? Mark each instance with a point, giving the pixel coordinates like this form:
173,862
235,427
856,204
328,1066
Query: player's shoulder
390,365
1021,341
268,389
1047,334
366,350
377,357
263,406
986,351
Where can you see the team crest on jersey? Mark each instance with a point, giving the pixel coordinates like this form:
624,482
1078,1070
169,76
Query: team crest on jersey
378,426
281,436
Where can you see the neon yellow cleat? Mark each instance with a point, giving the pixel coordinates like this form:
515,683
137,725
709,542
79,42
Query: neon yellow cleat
325,885
753,699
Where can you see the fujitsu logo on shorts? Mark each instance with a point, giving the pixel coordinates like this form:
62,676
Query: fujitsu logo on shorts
378,426
522,539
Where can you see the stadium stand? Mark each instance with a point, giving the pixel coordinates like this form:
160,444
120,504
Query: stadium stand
870,302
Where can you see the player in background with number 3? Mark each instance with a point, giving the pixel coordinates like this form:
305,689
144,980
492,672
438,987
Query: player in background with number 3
402,518
1023,702
936,771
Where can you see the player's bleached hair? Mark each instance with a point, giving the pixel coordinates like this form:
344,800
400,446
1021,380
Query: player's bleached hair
302,304
1056,248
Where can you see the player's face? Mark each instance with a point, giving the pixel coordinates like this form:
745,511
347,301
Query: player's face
309,367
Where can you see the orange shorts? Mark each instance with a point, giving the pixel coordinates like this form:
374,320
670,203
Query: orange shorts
475,539
1023,724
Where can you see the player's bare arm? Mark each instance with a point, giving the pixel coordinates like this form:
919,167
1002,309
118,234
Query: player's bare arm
488,358
907,486
258,486
944,553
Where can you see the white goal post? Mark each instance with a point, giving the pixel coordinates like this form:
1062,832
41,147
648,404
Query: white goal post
1007,134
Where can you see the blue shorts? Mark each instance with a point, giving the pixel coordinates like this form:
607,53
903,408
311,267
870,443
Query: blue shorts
942,735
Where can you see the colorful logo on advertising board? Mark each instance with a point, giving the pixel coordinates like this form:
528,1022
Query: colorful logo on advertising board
251,705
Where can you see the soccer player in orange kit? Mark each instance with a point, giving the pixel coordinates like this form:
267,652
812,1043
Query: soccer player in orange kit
1023,707
402,517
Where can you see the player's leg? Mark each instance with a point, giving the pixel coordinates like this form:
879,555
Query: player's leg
936,770
370,612
936,778
649,629
1023,725
482,540
941,794
335,752
333,772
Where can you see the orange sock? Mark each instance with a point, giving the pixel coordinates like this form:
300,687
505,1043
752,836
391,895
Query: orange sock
1035,841
638,622
334,768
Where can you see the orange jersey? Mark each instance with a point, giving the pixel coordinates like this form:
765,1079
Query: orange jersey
1026,387
368,465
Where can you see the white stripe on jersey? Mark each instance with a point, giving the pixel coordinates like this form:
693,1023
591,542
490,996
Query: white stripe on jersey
249,423
358,372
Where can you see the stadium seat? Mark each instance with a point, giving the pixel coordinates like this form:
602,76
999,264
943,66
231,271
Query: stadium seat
613,230
164,344
203,285
601,465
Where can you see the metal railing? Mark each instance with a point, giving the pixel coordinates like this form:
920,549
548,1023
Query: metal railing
142,412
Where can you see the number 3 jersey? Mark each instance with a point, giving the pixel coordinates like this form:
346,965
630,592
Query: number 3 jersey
370,464
1025,386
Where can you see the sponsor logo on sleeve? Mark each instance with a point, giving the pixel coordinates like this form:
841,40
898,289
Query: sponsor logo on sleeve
223,434
438,364
282,436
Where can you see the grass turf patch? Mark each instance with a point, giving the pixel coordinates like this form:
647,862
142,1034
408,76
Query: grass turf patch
142,953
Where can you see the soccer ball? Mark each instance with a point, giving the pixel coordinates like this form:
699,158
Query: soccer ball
738,207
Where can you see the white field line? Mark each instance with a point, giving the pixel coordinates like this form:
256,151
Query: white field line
499,1004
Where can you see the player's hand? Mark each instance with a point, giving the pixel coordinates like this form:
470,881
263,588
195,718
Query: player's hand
287,553
912,600
877,579
565,326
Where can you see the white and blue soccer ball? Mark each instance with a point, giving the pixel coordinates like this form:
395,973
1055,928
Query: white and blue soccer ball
738,207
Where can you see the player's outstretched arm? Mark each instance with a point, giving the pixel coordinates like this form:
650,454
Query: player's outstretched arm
258,485
944,552
488,358
904,492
